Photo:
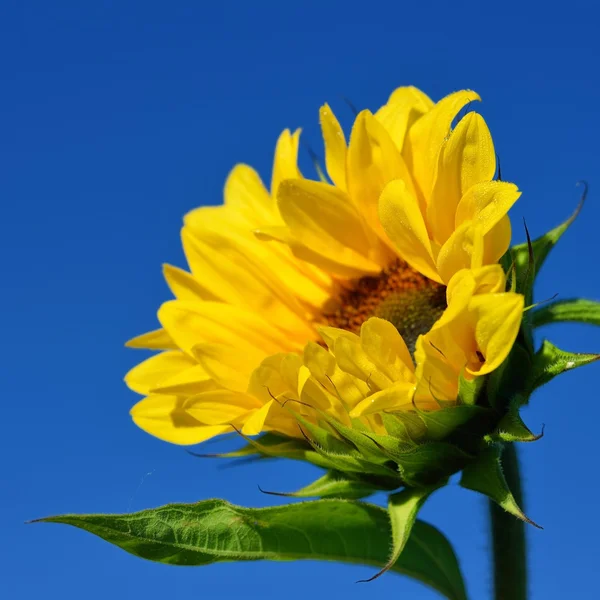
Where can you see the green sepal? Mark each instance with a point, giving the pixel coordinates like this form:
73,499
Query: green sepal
451,422
512,428
422,464
432,462
573,310
334,485
469,390
336,454
403,508
405,426
509,379
486,477
550,361
268,445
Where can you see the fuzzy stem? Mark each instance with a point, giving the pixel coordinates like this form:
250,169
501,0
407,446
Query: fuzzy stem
509,552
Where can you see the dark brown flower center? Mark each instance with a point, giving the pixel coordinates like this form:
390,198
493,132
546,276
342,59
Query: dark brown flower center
399,294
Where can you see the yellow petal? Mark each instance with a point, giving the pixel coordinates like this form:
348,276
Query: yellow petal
335,147
497,241
466,159
426,136
191,323
403,222
220,407
185,286
150,373
331,334
256,421
386,348
190,382
373,161
486,204
285,165
321,218
275,377
463,250
165,418
498,319
439,361
215,271
230,367
465,284
324,369
246,194
404,106
158,339
352,359
394,398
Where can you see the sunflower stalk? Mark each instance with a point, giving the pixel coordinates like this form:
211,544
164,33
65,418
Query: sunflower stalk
509,548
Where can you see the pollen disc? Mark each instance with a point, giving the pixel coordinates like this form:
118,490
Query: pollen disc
399,294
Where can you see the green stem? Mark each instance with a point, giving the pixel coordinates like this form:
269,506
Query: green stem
509,552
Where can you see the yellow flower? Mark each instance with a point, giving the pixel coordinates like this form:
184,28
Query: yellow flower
372,294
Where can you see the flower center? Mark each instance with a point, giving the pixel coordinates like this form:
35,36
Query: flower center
399,294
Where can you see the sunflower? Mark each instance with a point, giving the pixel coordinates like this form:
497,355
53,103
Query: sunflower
373,292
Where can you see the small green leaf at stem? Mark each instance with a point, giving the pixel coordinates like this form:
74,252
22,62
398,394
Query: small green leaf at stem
574,310
403,508
334,530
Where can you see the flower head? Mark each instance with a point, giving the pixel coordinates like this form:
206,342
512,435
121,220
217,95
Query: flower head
371,296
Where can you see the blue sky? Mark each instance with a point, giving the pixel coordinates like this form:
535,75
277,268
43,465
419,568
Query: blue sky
117,118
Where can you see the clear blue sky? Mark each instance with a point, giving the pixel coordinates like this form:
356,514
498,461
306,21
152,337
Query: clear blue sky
117,118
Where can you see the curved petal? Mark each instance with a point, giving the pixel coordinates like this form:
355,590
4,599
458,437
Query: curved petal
497,241
158,339
230,367
426,136
191,323
395,398
285,164
466,158
373,161
404,224
335,146
185,286
463,250
404,106
497,322
386,348
158,368
486,204
220,407
321,217
165,418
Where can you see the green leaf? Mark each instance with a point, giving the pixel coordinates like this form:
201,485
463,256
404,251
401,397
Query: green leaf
577,310
333,485
485,476
336,530
550,361
403,508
